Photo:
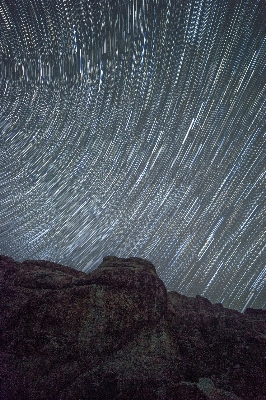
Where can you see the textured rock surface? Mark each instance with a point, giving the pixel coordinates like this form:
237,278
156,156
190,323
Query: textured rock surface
117,334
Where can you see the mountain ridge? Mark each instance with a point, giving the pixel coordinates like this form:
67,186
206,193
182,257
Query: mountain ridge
116,333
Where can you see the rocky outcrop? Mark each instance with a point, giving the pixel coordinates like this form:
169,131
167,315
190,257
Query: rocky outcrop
117,334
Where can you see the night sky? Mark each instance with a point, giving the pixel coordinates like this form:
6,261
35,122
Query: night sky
137,128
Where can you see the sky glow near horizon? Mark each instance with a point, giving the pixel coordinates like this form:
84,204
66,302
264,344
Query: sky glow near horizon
137,128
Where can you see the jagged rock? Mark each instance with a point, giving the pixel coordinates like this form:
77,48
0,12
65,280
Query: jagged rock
117,334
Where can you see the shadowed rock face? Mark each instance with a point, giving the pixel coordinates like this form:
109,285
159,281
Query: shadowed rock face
117,334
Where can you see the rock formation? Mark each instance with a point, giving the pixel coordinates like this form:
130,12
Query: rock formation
116,333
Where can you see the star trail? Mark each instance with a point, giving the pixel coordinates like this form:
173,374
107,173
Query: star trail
137,128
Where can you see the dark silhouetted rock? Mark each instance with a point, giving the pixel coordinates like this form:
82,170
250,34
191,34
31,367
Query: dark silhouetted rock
117,334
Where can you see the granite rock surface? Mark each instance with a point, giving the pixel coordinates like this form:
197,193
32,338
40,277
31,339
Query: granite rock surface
116,333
